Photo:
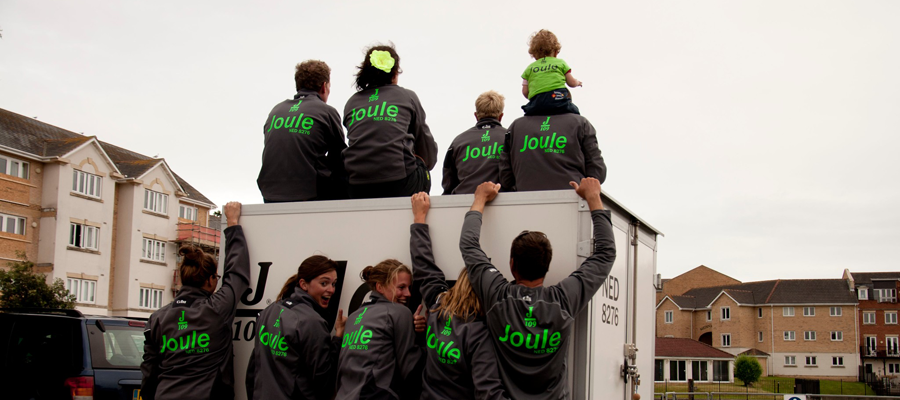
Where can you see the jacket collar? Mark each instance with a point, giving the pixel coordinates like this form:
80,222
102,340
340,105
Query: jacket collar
191,291
487,123
305,93
375,297
301,297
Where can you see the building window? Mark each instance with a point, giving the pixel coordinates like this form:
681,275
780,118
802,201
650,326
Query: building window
809,311
891,346
890,318
669,317
760,336
790,335
787,311
84,236
836,311
790,360
156,201
12,224
837,361
871,345
862,293
837,336
885,295
659,370
86,184
759,312
154,250
699,371
720,371
151,298
187,212
868,317
726,340
893,368
708,315
811,360
83,289
726,313
809,335
677,370
11,166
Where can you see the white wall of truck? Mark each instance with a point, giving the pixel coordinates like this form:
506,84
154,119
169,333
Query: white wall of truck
359,233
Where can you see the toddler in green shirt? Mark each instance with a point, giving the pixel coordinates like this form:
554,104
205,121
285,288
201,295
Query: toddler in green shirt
544,81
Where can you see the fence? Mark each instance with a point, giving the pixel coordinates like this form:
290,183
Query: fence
769,385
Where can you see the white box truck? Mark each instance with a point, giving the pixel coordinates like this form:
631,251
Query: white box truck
603,363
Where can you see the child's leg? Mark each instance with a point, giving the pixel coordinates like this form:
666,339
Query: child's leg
557,101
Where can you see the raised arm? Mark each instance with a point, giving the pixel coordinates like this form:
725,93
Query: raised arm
571,81
487,282
594,166
236,278
425,271
580,286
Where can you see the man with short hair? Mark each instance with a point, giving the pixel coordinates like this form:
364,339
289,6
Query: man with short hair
547,152
474,156
303,143
530,323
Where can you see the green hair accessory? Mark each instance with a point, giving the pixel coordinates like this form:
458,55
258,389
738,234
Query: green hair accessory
382,60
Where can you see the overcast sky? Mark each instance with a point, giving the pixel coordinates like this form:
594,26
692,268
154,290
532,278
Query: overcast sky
759,136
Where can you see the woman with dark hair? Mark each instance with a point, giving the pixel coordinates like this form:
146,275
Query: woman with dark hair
187,344
461,361
390,148
379,358
295,355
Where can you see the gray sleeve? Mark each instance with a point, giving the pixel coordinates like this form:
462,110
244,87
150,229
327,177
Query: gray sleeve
335,143
594,166
580,286
321,353
405,349
507,180
425,271
424,146
487,282
236,278
250,378
451,175
483,364
150,365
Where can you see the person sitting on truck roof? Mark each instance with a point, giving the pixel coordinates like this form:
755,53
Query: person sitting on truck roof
379,358
188,351
390,148
530,323
296,354
460,358
304,139
547,152
474,156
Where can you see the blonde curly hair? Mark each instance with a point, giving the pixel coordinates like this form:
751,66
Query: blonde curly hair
543,43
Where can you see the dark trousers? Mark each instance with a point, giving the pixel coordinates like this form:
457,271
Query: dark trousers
327,188
556,101
418,181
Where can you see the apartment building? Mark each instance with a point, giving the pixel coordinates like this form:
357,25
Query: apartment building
878,328
801,327
104,219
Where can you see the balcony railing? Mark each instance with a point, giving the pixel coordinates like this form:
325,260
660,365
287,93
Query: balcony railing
879,351
198,234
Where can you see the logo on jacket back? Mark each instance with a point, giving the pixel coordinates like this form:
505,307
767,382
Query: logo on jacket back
543,342
447,330
293,124
491,151
359,339
376,114
529,321
446,352
545,126
296,107
276,343
182,323
549,144
374,96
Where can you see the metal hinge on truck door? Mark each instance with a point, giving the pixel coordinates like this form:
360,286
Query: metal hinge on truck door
586,248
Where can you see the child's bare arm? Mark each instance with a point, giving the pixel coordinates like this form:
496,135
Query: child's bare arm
571,81
525,88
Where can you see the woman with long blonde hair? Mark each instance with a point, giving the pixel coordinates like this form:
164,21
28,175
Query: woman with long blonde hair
460,359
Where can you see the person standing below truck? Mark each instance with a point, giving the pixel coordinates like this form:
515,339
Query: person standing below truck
379,358
547,152
295,355
304,139
461,362
390,147
474,156
188,351
531,324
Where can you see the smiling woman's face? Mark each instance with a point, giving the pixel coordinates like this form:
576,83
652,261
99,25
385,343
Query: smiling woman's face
321,288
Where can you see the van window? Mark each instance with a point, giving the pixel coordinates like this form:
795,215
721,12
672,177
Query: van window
120,347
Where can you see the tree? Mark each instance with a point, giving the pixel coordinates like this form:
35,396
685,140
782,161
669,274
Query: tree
22,287
747,369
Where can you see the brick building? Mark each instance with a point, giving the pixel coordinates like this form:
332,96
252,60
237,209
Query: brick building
878,328
795,327
678,360
102,218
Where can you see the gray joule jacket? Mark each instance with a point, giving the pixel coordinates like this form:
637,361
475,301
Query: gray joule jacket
294,355
303,141
386,130
378,351
531,327
547,152
461,361
188,350
474,157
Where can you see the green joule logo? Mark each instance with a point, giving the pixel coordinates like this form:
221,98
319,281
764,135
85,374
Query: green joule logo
358,340
445,351
486,137
275,343
359,318
491,151
446,331
529,320
294,124
374,96
545,126
377,113
278,320
550,144
191,343
296,107
539,344
182,324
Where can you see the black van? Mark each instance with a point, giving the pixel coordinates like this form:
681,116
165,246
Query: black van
63,354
